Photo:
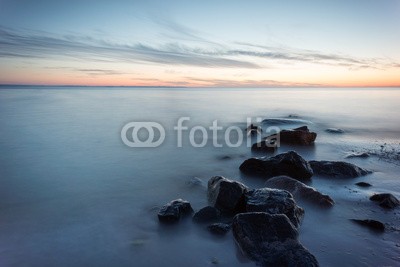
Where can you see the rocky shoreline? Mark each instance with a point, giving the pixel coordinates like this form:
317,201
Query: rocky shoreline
265,221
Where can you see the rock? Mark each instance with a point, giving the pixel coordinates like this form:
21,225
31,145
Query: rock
386,200
298,136
299,189
274,201
266,145
270,240
206,214
358,155
285,121
194,182
375,225
219,228
334,130
226,195
224,157
289,163
173,211
363,184
337,169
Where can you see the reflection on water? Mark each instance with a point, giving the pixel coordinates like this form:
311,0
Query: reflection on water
72,194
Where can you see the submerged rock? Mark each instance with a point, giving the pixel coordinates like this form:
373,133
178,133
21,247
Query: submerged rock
375,225
358,155
289,163
206,214
219,228
363,184
299,189
386,200
337,169
274,201
172,211
226,195
285,121
266,145
334,130
270,240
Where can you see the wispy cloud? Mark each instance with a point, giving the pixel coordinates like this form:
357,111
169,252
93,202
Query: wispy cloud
22,45
244,55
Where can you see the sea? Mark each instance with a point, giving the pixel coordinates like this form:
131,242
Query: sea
77,188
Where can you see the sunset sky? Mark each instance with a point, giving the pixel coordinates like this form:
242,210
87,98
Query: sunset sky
200,43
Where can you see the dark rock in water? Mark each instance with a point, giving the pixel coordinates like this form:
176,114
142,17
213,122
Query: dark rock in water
206,214
299,189
337,169
224,157
334,130
375,225
299,136
358,155
285,121
289,163
253,129
173,211
270,240
363,184
274,201
226,195
265,146
219,228
386,200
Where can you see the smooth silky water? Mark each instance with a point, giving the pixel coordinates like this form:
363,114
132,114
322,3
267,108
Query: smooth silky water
72,194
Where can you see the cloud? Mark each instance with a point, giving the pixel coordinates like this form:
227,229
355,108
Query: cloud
22,45
247,83
16,44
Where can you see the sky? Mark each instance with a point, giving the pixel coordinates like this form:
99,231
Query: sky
200,43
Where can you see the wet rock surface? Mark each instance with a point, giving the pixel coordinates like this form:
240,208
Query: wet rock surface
289,164
270,240
298,136
299,189
337,169
386,200
274,201
226,195
206,214
219,228
172,211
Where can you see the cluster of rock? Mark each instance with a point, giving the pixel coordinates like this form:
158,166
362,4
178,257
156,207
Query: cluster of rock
264,221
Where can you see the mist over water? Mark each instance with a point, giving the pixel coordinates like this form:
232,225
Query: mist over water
72,194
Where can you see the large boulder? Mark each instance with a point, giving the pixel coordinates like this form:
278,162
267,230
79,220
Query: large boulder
172,211
270,240
274,201
226,195
297,136
337,169
386,200
289,164
299,189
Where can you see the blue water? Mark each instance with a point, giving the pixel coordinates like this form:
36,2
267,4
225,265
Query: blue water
72,194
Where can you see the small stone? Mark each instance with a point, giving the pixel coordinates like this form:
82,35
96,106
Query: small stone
172,211
363,184
386,200
375,225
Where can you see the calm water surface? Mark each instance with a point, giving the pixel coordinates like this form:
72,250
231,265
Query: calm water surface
72,194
